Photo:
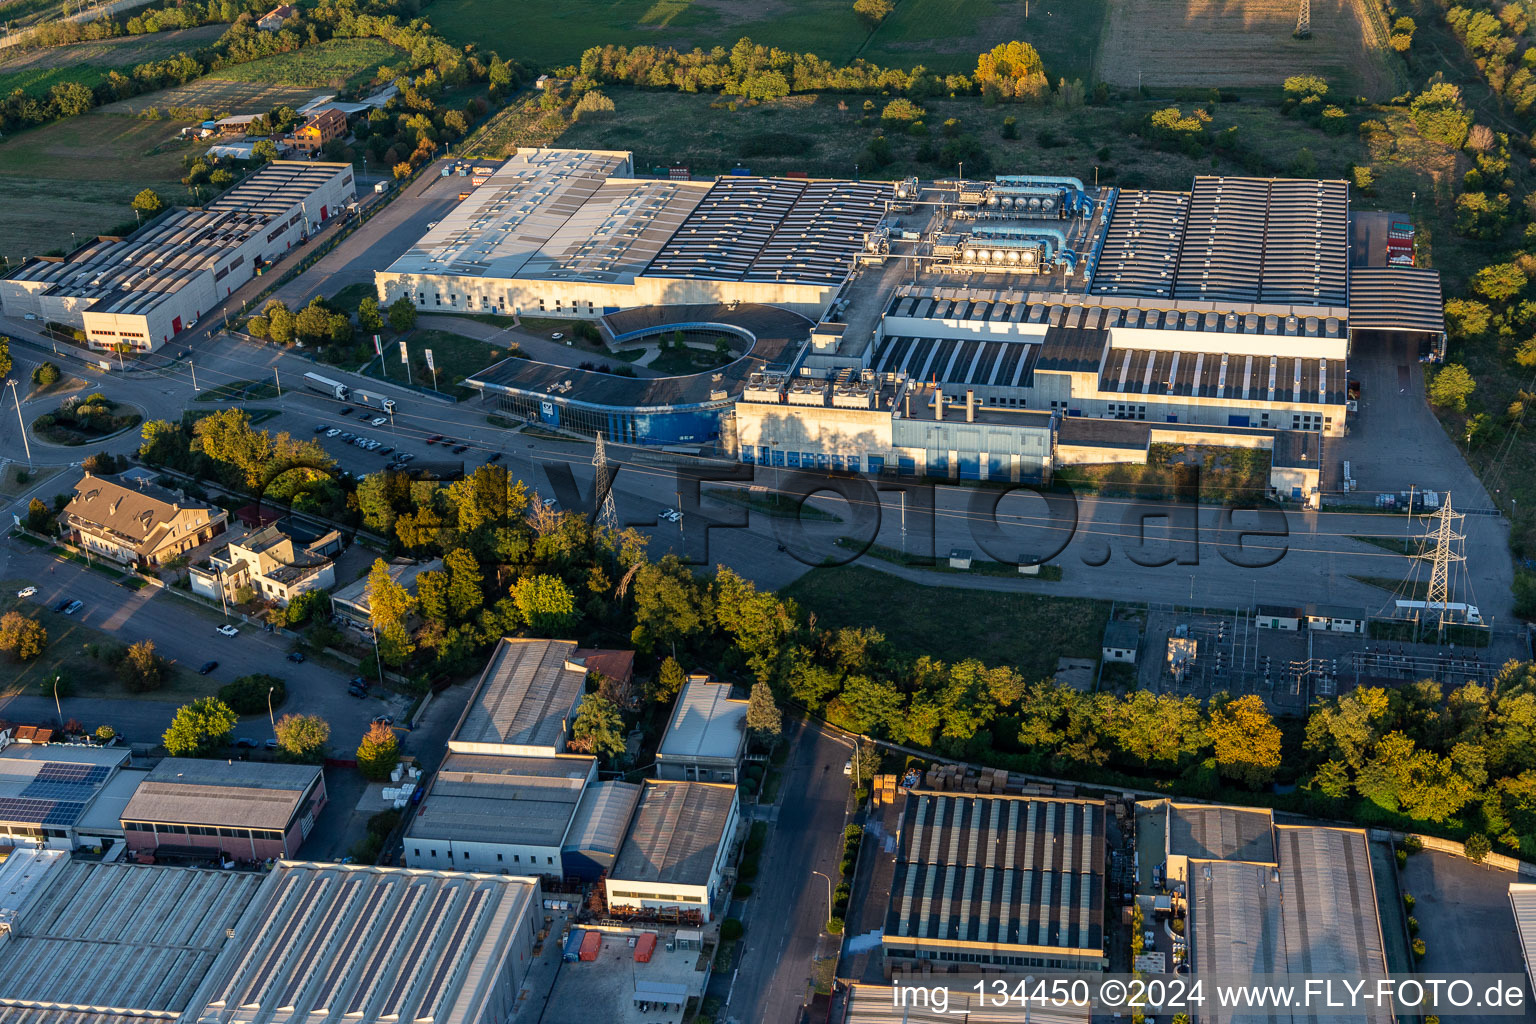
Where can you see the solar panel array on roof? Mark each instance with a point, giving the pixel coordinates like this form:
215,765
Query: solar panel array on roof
773,229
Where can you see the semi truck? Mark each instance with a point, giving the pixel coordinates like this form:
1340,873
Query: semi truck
1466,612
373,401
326,386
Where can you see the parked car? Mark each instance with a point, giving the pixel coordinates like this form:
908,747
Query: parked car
404,457
246,743
848,767
434,439
26,591
383,720
73,607
228,630
270,744
297,657
348,436
208,666
321,428
557,336
333,432
495,457
61,604
665,513
460,449
346,410
379,421
386,450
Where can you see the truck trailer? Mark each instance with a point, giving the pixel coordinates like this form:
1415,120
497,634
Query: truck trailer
374,401
326,386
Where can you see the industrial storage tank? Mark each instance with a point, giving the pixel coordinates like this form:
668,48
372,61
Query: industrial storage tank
1013,256
970,255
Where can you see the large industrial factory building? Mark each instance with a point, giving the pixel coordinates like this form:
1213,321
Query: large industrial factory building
143,291
963,329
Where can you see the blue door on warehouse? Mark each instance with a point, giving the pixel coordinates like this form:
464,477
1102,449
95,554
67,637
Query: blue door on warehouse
970,466
999,467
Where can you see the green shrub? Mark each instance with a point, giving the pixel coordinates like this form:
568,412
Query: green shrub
1402,859
741,891
1418,948
846,867
248,694
731,929
748,869
1413,925
1411,845
835,926
1408,900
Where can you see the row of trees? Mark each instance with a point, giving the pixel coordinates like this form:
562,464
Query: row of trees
205,726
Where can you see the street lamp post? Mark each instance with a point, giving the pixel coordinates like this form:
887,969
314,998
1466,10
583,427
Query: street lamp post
56,706
269,710
829,894
27,444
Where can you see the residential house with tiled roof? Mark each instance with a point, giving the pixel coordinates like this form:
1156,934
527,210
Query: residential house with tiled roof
139,526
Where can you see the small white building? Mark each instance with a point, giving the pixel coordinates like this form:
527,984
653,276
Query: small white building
495,813
270,563
1121,639
1335,618
1269,616
676,853
706,735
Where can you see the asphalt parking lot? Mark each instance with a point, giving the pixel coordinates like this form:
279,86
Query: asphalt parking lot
1464,919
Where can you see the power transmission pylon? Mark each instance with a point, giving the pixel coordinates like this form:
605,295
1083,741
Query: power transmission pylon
602,489
1303,19
1442,555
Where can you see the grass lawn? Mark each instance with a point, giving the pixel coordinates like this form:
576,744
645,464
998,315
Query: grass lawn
688,360
38,80
124,51
11,484
67,656
239,391
954,623
352,295
454,355
335,63
947,35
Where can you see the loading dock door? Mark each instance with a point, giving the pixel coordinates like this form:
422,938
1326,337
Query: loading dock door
176,325
1237,421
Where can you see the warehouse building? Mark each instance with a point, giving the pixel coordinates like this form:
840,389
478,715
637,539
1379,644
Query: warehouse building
60,796
557,232
677,852
143,290
706,735
243,810
1522,903
597,832
1268,898
485,812
1000,881
525,702
93,943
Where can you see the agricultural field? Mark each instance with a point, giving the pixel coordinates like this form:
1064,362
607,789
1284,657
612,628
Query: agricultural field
334,64
106,53
1165,44
947,35
37,81
944,35
218,96
79,175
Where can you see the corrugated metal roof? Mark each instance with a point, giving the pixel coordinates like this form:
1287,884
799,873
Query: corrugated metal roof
525,696
603,817
706,722
676,833
1220,833
233,794
485,798
1522,902
330,941
123,936
1396,299
1031,874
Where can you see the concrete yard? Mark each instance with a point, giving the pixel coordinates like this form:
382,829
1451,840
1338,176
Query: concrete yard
1464,919
601,990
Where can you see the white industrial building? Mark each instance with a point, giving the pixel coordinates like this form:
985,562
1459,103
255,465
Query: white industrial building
62,796
487,812
143,290
677,851
299,944
554,232
706,735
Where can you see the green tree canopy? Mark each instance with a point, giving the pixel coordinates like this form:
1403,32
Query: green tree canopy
544,602
143,669
402,314
599,727
303,737
378,753
388,601
1451,386
22,636
200,728
1245,739
763,716
148,202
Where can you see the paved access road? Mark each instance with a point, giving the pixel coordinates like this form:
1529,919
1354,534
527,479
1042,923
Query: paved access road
788,907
